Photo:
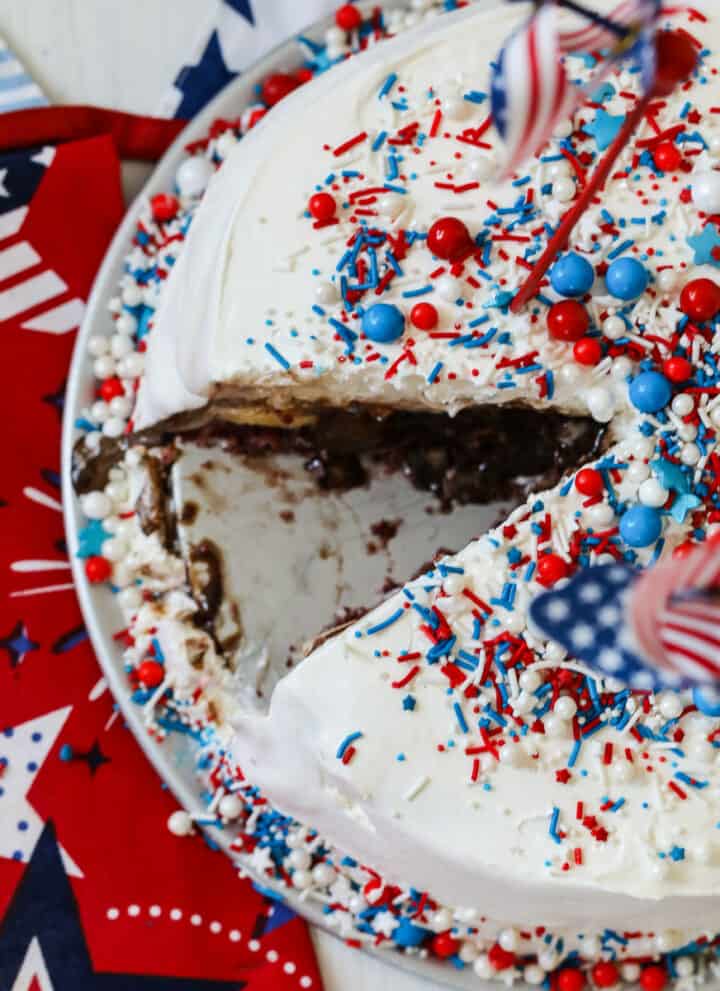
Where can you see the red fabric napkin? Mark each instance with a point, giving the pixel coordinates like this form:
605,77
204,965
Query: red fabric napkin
91,882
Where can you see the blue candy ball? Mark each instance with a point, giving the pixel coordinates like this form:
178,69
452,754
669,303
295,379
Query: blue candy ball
408,934
650,392
627,279
572,275
640,526
707,699
383,323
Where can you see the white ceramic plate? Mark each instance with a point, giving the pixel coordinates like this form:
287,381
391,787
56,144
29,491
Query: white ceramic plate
173,759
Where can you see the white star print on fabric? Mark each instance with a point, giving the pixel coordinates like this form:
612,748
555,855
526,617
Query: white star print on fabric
25,749
3,189
33,972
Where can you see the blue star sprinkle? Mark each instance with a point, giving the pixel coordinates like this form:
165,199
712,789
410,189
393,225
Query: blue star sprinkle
604,128
706,247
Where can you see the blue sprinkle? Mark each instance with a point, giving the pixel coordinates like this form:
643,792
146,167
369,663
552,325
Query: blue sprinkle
432,377
383,624
460,717
387,85
346,743
277,356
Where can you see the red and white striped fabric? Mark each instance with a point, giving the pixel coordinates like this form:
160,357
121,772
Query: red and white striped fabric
594,36
676,625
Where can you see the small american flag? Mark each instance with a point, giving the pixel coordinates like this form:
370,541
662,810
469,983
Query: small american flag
652,630
529,87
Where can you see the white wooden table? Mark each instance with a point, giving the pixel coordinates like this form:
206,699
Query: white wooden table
124,55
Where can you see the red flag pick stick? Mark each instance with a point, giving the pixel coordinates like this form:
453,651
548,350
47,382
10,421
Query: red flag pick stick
676,60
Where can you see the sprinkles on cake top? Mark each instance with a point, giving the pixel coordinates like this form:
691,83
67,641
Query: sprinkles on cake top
470,790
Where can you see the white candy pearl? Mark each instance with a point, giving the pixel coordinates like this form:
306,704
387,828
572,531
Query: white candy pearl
547,959
684,966
456,108
559,170
510,754
323,875
225,144
448,288
103,367
114,549
121,345
99,412
96,505
301,879
131,295
670,705
126,324
621,368
193,175
180,823
230,807
97,346
687,431
590,949
630,972
614,327
482,967
564,190
523,703
667,279
689,454
299,859
682,404
637,472
641,446
120,406
714,146
357,903
326,292
600,514
132,366
391,205
622,770
335,36
651,493
564,129
114,427
530,680
482,167
706,192
468,952
601,404
508,940
702,750
569,374
533,974
565,707
442,920
555,726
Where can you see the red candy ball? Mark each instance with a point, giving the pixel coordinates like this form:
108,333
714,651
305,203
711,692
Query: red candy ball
605,974
500,959
348,17
570,979
164,207
277,86
98,569
677,369
587,351
322,206
550,569
449,239
424,316
676,61
111,388
667,157
444,945
653,978
150,673
700,299
589,482
568,321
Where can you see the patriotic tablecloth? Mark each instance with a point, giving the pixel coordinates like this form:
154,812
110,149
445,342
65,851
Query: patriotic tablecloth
94,890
